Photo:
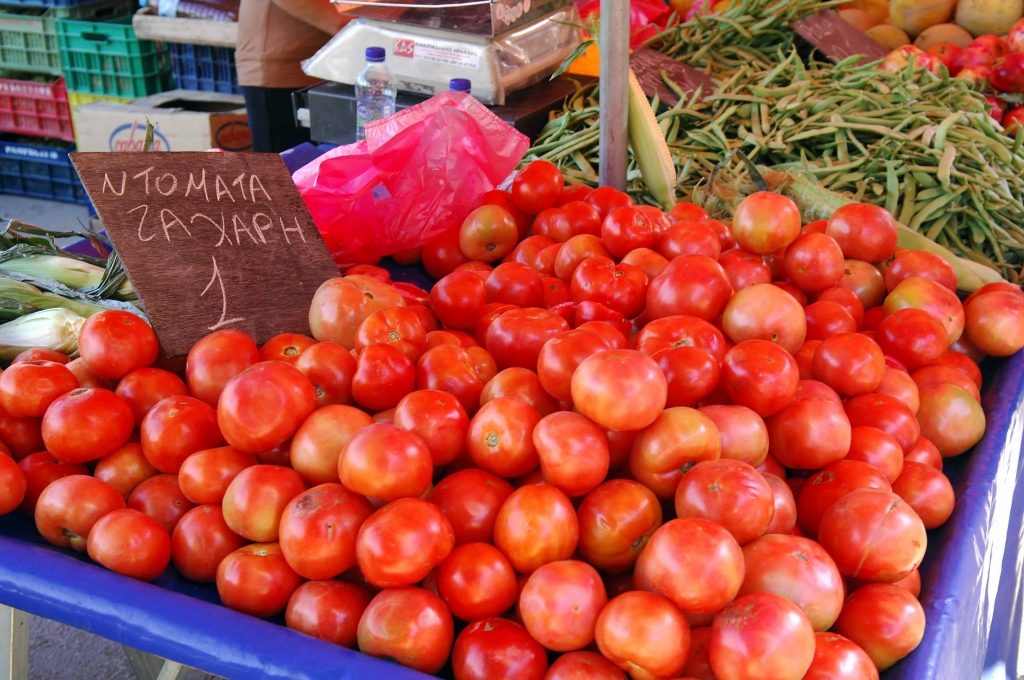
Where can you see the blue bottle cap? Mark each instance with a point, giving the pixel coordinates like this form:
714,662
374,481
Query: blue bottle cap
460,85
375,54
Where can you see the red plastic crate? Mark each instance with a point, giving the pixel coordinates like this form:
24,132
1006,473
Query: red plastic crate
36,109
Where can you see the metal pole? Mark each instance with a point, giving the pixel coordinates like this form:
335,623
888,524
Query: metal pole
614,92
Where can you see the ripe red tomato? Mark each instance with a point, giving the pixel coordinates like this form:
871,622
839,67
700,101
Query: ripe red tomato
919,263
760,375
515,337
470,499
901,386
87,378
330,369
621,287
644,634
286,347
877,448
536,525
458,298
113,343
255,499
162,499
41,354
450,369
500,437
257,580
887,414
12,484
627,228
40,470
205,475
438,419
217,358
728,492
678,438
560,604
175,428
497,649
29,387
616,520
744,269
321,438
886,621
606,199
340,305
765,312
583,666
799,570
124,469
619,389
476,581
537,186
646,260
691,374
561,355
951,418
873,535
932,297
86,424
865,281
814,262
694,562
913,337
383,376
692,285
573,452
401,542
399,327
675,331
514,284
995,323
765,222
69,508
201,539
263,406
784,515
328,610
504,199
21,436
836,658
318,530
864,232
384,462
927,491
130,543
744,435
144,387
809,433
761,635
924,452
826,319
822,489
940,374
690,237
850,363
520,383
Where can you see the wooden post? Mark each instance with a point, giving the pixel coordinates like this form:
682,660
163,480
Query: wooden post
13,644
614,92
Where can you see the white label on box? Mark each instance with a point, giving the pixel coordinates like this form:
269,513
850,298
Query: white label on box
437,53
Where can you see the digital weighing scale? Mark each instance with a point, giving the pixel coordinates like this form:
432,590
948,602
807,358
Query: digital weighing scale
501,46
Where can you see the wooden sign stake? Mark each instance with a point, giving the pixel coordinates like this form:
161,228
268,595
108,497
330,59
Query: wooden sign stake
613,118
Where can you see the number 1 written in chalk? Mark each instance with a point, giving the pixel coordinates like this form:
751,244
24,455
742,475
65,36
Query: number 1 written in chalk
223,299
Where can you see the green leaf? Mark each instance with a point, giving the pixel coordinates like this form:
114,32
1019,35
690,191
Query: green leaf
573,56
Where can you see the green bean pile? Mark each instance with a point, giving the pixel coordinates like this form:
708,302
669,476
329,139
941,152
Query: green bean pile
922,146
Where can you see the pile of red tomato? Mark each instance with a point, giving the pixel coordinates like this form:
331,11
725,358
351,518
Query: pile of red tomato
608,441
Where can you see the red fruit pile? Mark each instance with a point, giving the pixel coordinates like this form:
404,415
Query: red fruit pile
650,443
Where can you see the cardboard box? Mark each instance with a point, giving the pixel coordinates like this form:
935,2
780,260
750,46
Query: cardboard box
183,120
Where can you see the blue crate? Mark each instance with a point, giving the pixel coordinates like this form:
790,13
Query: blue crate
40,171
45,3
204,68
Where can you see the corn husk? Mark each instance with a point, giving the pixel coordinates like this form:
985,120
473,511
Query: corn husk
55,329
73,273
18,298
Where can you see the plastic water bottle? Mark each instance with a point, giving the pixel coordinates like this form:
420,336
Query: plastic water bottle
460,85
375,91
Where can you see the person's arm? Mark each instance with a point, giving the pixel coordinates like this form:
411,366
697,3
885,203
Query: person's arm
318,13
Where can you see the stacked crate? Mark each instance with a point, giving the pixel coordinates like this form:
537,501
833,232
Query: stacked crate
54,55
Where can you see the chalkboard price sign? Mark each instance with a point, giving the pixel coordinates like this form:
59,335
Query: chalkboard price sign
210,240
648,65
837,38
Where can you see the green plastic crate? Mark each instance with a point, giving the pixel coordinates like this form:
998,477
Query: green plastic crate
107,58
28,35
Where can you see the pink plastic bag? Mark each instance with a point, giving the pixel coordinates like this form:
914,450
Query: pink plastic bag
417,174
